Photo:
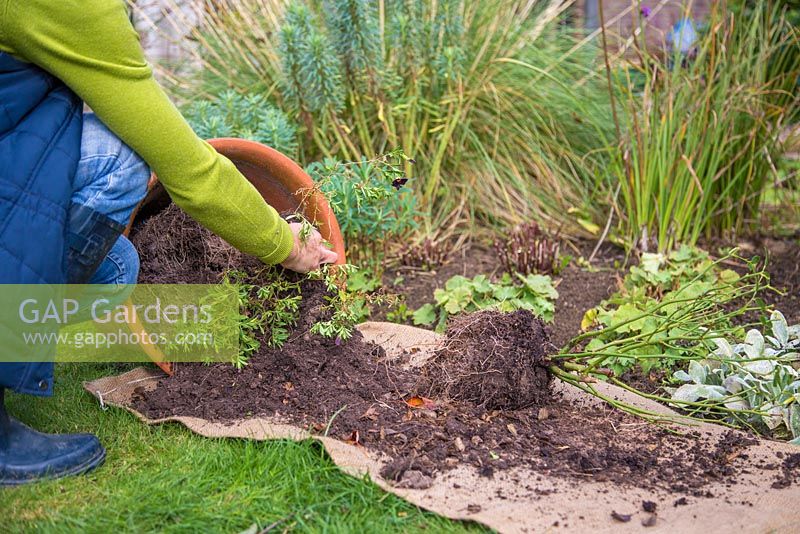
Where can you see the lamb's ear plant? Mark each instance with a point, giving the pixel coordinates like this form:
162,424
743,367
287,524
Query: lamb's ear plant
756,381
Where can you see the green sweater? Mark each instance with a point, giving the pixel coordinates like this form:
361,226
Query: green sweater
91,46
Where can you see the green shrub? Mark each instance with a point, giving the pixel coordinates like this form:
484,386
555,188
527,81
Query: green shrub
374,206
645,323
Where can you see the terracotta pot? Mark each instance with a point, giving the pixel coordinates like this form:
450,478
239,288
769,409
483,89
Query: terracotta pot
283,184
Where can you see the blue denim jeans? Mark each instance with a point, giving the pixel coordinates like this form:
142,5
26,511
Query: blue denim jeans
111,179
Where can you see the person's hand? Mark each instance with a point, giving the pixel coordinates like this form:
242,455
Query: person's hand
308,253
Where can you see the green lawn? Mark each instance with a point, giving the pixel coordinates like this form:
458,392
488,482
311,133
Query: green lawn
165,478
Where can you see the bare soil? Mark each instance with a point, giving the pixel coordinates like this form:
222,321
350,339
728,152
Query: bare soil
484,400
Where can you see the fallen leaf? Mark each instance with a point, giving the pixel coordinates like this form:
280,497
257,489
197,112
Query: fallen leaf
459,443
622,518
370,413
511,428
421,402
354,439
543,414
288,386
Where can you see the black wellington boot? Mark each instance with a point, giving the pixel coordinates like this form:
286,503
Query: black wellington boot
27,455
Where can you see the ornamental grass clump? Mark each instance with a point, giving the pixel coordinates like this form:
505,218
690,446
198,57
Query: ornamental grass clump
482,93
699,132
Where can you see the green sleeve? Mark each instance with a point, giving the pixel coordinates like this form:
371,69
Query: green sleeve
92,47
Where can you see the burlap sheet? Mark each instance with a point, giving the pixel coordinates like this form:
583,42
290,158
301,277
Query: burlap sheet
519,500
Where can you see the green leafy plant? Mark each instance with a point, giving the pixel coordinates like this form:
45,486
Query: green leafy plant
756,382
400,314
269,305
533,292
272,309
347,306
249,117
372,202
644,312
696,320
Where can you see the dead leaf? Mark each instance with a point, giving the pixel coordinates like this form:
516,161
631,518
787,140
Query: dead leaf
288,386
459,443
422,402
543,414
622,518
317,427
511,428
354,439
371,413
